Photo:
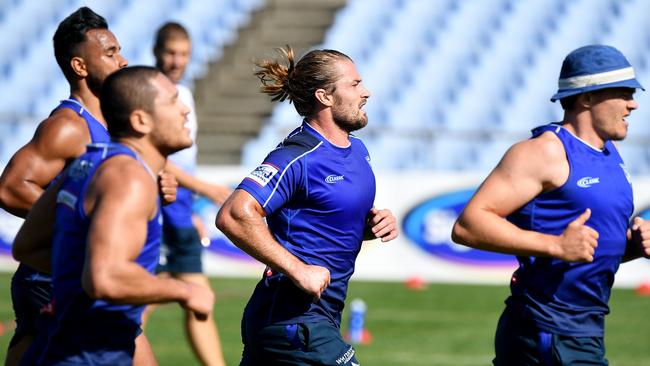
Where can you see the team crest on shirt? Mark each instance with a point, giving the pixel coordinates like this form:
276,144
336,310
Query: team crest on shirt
80,169
263,174
627,175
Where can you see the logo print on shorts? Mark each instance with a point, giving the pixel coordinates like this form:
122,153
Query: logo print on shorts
333,178
263,174
587,182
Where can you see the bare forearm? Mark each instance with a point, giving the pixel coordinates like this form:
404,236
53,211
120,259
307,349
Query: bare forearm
253,237
488,231
132,284
18,199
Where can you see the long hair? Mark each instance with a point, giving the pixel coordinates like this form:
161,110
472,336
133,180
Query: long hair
285,79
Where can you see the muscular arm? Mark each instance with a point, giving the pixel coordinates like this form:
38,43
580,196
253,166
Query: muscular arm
526,170
57,140
242,219
121,200
217,193
33,242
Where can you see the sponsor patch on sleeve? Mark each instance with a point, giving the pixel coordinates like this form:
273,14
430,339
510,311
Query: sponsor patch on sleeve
263,174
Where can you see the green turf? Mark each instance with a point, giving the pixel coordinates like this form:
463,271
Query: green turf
444,325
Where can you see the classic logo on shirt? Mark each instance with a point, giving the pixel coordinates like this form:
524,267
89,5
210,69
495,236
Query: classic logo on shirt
587,182
333,178
263,174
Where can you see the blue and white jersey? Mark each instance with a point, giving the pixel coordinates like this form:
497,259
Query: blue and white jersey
571,298
72,303
317,197
178,214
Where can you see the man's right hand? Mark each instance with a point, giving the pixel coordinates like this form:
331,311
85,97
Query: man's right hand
313,280
578,242
200,300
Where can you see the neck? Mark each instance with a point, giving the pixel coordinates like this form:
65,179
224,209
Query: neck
332,133
147,153
581,125
89,100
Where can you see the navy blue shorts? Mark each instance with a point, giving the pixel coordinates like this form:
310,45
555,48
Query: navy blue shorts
31,294
181,251
519,342
104,341
297,344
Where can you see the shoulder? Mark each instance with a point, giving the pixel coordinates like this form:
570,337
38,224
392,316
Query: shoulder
64,127
542,157
298,144
358,145
122,172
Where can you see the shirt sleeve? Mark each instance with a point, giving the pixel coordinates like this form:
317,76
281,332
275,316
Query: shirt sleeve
276,181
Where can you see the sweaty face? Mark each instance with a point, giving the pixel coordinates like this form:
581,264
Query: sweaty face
609,110
173,58
101,54
170,114
350,95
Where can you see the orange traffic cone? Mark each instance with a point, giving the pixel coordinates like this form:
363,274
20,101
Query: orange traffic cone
643,289
415,283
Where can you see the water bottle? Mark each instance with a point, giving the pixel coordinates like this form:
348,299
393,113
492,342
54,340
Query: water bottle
357,321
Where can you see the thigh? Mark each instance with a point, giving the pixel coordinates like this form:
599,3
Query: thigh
579,351
516,342
182,251
325,346
31,293
297,345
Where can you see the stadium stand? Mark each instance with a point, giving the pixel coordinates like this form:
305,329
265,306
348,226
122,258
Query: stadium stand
454,82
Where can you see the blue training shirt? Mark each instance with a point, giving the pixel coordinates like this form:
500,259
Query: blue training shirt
317,197
98,132
77,315
571,298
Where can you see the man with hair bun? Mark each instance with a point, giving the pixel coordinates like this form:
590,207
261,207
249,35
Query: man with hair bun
316,191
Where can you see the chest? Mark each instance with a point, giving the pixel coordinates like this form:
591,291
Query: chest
335,183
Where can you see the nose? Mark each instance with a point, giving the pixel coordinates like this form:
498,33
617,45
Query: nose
365,93
123,62
185,110
632,104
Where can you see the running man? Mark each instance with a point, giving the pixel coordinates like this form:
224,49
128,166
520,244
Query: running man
561,201
316,191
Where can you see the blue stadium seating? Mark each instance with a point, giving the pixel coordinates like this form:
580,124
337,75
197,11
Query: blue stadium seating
454,82
31,83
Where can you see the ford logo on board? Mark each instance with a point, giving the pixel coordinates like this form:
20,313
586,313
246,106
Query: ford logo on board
429,226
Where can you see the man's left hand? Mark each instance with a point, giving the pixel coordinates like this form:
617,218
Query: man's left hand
381,224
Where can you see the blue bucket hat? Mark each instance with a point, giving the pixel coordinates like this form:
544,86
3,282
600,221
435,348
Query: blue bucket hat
594,67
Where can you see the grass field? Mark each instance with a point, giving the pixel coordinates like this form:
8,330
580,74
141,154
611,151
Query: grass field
444,325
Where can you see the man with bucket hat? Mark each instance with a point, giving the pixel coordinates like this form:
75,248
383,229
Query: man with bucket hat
561,201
